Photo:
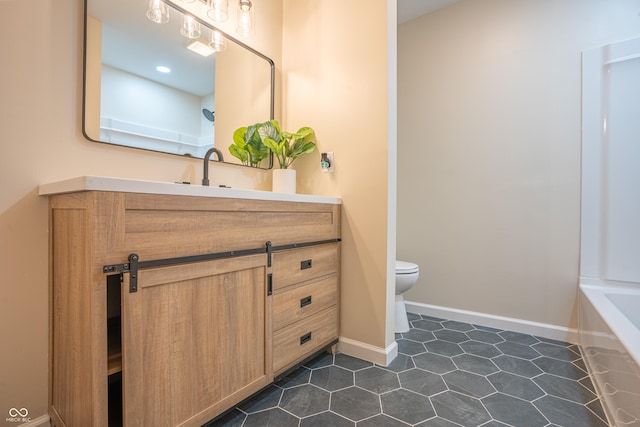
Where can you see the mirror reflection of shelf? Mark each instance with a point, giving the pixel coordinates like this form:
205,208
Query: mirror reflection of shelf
119,132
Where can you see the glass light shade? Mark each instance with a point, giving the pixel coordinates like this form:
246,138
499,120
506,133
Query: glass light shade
245,18
190,27
158,11
217,41
218,10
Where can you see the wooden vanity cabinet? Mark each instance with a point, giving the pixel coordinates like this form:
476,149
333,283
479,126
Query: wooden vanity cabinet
191,332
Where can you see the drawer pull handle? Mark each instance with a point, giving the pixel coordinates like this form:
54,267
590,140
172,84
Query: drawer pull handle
305,264
305,338
305,301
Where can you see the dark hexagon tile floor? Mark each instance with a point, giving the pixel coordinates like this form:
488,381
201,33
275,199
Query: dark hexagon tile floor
447,374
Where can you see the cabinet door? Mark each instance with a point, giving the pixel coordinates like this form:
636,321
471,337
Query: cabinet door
196,340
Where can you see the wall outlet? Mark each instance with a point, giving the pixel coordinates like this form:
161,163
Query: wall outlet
326,161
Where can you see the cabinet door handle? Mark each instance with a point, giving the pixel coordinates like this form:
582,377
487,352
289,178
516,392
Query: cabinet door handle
305,338
305,301
305,264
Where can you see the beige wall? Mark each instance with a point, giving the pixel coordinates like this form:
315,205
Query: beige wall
336,82
489,151
41,141
343,96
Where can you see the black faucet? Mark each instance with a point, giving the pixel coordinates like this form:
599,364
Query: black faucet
207,156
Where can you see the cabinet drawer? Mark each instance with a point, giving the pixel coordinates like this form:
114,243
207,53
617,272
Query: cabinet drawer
297,265
291,305
293,343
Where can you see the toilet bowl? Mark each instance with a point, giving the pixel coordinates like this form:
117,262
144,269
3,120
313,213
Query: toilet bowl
406,276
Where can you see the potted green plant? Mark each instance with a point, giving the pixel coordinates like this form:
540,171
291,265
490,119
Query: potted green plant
286,148
252,144
248,145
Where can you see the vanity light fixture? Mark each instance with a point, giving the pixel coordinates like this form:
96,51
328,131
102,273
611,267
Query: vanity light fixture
190,27
217,42
218,10
158,12
245,18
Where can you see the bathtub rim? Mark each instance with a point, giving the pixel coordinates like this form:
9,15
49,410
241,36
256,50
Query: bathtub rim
596,290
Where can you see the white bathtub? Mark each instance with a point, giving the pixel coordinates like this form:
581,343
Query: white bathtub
610,339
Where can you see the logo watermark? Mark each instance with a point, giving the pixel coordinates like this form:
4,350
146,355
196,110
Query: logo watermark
18,415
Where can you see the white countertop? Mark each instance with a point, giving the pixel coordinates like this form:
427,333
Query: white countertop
99,183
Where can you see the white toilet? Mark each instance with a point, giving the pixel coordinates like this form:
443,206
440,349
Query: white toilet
406,275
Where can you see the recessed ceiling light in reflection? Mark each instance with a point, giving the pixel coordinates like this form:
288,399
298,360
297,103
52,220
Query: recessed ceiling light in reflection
163,69
199,48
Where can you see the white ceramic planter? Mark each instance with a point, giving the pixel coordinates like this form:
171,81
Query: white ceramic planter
284,181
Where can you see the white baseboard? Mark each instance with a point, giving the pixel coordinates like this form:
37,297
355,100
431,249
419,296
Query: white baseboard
378,355
544,330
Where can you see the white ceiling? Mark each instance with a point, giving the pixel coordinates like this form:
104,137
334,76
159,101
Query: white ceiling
411,9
